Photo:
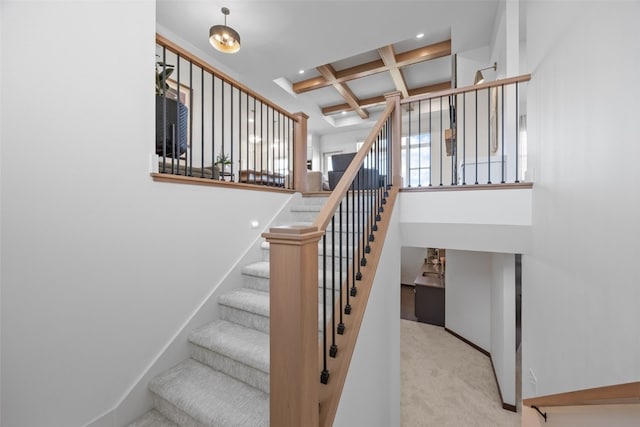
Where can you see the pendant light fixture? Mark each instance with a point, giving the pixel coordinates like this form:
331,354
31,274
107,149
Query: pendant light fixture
223,38
479,77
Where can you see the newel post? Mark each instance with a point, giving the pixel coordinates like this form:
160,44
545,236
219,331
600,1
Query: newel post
293,326
300,152
396,138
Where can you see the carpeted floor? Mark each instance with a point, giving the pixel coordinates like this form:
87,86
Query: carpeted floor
445,382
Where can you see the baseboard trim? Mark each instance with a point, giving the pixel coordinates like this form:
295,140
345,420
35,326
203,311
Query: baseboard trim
466,341
506,406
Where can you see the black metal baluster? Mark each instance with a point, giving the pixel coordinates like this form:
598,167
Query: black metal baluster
324,375
190,128
410,157
517,133
489,135
361,260
419,143
454,137
255,141
476,136
267,150
441,132
231,148
213,122
239,135
464,138
262,123
350,221
248,137
222,153
175,144
340,281
430,145
333,351
164,117
502,126
202,125
290,151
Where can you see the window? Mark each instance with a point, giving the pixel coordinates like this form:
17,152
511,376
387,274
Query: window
416,160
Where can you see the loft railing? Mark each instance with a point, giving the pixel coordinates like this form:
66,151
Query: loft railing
318,296
466,136
210,126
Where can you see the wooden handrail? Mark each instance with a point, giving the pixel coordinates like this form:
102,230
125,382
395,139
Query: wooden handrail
465,89
163,41
338,193
618,393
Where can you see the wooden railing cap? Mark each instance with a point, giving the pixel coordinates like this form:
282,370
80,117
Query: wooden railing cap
293,233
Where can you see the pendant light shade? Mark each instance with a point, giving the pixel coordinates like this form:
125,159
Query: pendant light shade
223,38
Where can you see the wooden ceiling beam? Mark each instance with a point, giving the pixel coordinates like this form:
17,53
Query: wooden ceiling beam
368,102
388,55
329,74
426,53
430,88
415,56
379,100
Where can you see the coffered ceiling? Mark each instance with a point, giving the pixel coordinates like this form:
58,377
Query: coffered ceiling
351,51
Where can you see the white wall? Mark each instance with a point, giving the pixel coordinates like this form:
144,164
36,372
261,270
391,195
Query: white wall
100,265
468,296
491,220
503,324
371,394
411,260
581,323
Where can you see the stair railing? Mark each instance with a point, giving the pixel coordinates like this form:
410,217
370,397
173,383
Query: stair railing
467,136
211,127
320,278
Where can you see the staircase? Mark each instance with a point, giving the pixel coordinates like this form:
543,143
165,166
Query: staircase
225,382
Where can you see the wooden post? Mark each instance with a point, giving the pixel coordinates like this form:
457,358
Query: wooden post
300,152
293,326
396,139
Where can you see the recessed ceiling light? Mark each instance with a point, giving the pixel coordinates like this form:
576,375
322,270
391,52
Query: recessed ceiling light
344,112
419,36
300,71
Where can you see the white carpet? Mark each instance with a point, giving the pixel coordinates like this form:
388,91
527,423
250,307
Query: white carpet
445,382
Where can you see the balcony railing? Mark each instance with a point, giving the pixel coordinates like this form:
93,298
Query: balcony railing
212,127
466,136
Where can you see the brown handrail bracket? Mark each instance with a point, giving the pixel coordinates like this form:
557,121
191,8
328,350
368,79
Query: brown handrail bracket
542,414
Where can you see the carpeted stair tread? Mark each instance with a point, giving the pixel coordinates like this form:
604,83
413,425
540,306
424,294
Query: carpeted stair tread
240,343
261,269
247,300
153,418
211,397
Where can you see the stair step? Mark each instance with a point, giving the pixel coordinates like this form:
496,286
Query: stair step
153,418
240,352
256,275
192,394
246,307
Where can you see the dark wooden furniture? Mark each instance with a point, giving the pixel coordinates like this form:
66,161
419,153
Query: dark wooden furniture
430,296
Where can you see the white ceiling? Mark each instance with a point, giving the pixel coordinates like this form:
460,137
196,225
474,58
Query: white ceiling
281,37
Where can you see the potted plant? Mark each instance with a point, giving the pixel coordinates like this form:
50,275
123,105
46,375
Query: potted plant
223,161
171,116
